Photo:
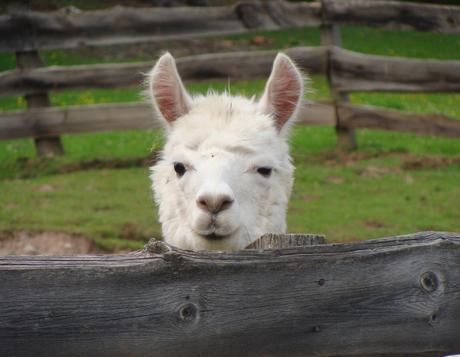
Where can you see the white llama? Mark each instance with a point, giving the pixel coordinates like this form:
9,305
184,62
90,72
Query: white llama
225,175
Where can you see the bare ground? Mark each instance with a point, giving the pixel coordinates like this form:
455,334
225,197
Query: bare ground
45,243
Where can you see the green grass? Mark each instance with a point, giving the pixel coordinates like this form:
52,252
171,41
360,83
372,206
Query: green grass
366,194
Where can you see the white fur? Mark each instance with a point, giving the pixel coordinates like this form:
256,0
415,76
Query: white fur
222,140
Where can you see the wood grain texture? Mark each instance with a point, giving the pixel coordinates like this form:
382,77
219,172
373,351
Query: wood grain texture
216,66
392,14
275,241
104,117
70,27
386,119
352,72
392,296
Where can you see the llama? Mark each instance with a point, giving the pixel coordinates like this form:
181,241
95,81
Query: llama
225,174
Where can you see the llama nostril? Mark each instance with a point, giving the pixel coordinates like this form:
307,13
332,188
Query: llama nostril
214,205
226,203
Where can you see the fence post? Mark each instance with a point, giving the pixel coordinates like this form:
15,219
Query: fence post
330,36
49,145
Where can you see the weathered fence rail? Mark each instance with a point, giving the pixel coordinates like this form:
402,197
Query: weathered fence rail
70,27
393,296
213,66
347,71
351,72
123,116
392,14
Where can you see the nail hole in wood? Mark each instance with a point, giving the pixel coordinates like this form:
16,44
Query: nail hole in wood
316,329
321,282
188,312
429,281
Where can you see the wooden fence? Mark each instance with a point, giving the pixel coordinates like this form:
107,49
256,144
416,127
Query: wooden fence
27,32
397,296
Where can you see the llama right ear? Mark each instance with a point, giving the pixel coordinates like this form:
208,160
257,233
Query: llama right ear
283,91
166,91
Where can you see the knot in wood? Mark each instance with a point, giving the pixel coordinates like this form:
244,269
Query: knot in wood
188,312
155,246
429,281
173,257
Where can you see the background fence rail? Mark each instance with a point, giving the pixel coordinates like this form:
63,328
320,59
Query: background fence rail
393,296
347,71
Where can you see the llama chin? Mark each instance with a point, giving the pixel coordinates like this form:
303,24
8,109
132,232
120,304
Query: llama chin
225,174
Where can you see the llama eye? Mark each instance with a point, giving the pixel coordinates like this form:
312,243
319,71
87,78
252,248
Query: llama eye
265,171
180,169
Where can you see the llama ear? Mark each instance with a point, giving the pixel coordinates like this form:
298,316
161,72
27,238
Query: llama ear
166,91
283,91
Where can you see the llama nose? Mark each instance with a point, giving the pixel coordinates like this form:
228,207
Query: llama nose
214,203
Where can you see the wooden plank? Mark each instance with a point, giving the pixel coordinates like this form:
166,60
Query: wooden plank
352,72
393,14
393,296
215,66
70,27
346,138
276,241
46,146
385,119
107,117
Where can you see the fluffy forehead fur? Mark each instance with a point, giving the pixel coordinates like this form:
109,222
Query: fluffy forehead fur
229,123
236,174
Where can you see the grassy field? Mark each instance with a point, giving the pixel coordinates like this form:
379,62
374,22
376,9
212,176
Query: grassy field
393,184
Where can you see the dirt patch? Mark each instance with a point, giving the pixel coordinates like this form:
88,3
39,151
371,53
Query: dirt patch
32,167
429,162
374,224
108,164
45,243
372,171
336,180
346,158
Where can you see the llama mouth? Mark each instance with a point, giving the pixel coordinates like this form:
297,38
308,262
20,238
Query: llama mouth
214,236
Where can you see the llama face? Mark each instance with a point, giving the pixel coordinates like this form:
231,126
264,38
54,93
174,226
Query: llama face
225,175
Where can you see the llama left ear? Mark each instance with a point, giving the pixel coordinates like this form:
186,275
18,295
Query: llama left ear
166,90
283,91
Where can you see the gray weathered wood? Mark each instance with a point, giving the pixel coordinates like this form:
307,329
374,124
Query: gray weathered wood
393,14
392,296
275,241
386,119
104,117
215,66
46,146
352,71
71,27
330,36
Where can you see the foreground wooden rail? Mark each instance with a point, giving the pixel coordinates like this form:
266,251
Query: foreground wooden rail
398,295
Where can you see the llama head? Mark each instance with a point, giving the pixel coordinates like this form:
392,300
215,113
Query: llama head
225,175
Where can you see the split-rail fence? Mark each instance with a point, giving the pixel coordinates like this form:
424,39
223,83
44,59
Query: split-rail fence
25,33
396,296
